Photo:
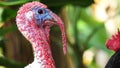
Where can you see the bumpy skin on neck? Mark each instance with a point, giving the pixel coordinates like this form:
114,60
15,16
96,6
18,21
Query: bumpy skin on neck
38,35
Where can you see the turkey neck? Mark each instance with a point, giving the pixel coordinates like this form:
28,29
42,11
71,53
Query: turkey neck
38,36
41,47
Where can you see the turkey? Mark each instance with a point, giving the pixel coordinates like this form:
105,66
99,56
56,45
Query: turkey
34,20
114,44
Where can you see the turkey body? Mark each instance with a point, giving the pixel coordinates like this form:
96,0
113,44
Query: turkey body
114,44
114,61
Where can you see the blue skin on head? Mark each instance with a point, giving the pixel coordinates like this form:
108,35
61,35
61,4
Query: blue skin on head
42,14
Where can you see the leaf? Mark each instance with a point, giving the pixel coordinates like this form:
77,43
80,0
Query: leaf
8,14
1,11
99,39
3,3
56,3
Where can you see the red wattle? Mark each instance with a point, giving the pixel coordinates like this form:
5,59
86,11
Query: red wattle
114,42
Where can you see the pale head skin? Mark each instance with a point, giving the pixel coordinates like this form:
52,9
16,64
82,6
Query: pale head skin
34,21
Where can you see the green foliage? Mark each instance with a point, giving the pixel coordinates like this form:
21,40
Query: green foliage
10,63
56,3
8,14
86,31
12,3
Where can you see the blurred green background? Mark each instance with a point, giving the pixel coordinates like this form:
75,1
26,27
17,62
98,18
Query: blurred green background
88,24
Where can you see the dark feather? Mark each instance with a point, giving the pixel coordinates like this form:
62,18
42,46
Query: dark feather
114,61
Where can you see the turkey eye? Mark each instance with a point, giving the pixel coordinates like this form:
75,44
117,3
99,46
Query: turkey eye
40,11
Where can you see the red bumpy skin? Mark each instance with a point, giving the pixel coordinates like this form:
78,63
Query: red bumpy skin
114,42
38,32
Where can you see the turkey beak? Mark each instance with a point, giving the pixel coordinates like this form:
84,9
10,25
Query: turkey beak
60,24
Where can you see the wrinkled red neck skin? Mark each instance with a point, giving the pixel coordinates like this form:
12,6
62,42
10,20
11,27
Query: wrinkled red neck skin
39,41
114,42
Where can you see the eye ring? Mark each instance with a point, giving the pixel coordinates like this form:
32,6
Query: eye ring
40,11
